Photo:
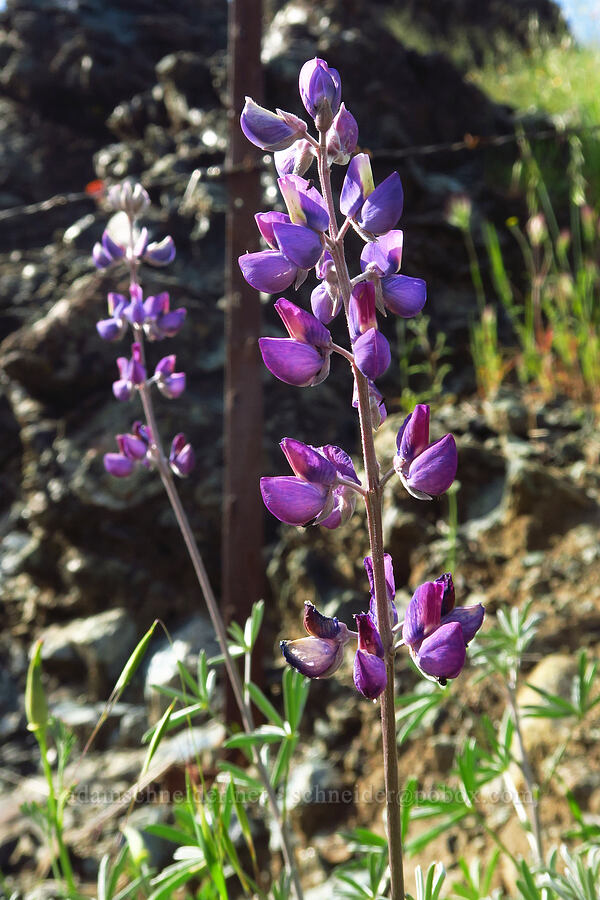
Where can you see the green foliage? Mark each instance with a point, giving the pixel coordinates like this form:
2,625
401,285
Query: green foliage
423,363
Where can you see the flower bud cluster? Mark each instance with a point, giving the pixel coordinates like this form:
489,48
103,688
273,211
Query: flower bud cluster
151,318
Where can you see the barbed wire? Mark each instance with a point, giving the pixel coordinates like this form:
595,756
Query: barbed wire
217,172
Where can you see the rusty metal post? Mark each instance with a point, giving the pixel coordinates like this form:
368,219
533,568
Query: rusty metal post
242,564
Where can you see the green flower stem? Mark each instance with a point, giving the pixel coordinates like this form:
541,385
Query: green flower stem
373,501
55,818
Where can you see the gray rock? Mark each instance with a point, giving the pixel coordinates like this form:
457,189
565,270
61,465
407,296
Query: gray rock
555,674
100,644
316,793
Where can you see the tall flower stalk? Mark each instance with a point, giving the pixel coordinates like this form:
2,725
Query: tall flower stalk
324,487
152,319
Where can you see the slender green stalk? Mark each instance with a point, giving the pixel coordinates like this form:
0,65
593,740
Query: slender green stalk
185,528
55,818
373,501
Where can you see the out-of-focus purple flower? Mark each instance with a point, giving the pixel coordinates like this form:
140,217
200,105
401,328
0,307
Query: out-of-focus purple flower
130,198
389,584
304,203
376,403
169,382
374,210
371,349
107,252
313,493
321,654
132,373
435,632
133,448
401,294
160,321
303,358
370,676
269,130
342,137
295,160
181,458
426,470
113,328
160,253
320,90
134,312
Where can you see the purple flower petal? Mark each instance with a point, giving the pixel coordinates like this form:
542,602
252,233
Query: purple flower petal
383,207
296,160
448,596
404,296
301,325
358,184
292,500
111,329
434,470
443,653
170,323
342,137
132,447
470,619
266,129
304,203
372,353
341,461
268,270
265,222
319,84
323,304
344,504
118,465
101,258
173,386
423,613
370,676
160,253
292,361
384,255
301,245
314,657
307,463
361,309
413,436
369,638
319,625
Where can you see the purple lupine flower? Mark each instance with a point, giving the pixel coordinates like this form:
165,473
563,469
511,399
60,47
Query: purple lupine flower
268,271
375,210
304,203
181,458
303,358
320,89
389,584
160,321
426,470
132,373
295,160
370,676
371,349
313,493
107,252
169,382
269,130
321,654
376,403
326,302
160,253
113,328
134,312
401,294
133,448
436,633
342,137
